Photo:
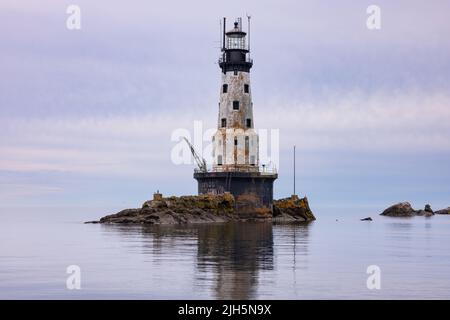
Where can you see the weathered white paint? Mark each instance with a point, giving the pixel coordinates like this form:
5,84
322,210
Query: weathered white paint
236,157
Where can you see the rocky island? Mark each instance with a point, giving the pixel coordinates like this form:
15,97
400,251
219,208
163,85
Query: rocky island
404,209
211,208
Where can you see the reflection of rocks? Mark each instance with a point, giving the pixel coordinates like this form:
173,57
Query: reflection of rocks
404,209
211,208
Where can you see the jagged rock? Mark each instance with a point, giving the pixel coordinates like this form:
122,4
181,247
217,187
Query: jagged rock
292,209
402,209
428,208
210,208
443,211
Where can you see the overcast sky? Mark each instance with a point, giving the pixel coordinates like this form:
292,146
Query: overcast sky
86,116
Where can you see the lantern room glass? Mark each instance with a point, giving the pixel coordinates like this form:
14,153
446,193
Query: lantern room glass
236,42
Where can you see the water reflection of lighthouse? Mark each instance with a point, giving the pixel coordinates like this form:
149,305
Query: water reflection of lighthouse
236,254
231,261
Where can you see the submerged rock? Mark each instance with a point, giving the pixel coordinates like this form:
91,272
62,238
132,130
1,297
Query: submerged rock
209,208
367,219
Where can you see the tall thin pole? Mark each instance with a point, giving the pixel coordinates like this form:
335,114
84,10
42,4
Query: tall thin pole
294,169
220,35
248,34
224,28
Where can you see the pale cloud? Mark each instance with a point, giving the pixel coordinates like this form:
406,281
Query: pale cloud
140,145
18,192
411,120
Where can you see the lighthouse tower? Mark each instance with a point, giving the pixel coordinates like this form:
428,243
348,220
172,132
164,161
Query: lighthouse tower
236,166
235,144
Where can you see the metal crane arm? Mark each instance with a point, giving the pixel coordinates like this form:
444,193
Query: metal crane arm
201,163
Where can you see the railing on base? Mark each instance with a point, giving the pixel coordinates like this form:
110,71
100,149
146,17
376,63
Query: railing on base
231,168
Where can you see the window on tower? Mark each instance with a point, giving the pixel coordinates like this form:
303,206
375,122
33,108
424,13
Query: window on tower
246,88
225,88
224,122
235,105
248,123
219,160
235,141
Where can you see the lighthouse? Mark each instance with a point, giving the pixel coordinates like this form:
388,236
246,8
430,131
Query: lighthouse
236,167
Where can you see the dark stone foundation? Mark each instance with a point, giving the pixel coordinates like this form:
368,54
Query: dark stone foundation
253,191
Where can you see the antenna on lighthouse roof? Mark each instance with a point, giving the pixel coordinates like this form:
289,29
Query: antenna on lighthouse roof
220,34
248,33
223,39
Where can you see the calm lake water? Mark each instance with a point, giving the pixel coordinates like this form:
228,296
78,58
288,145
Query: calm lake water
326,259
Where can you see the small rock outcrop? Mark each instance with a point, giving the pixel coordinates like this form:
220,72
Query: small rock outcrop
209,208
178,210
367,219
443,211
292,209
404,209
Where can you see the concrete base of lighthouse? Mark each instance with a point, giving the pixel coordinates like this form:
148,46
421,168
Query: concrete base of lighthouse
253,191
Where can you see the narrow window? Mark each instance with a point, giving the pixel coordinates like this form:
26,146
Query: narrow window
224,122
249,123
252,160
246,88
225,88
235,105
235,141
235,72
219,160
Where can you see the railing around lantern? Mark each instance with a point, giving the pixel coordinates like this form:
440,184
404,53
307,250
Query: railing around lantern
247,60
